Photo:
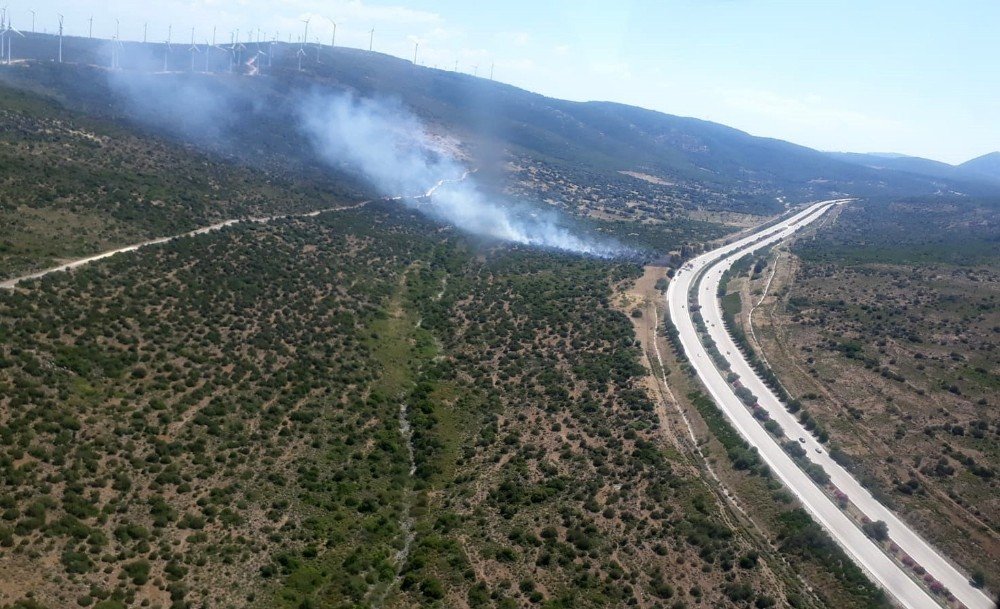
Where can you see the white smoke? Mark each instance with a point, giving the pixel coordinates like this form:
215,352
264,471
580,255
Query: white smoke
392,150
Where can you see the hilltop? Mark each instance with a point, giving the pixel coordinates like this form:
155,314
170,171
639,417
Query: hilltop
493,118
985,168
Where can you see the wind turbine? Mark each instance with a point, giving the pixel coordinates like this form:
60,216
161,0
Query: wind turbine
10,38
116,48
238,48
371,39
416,45
6,47
305,41
193,50
333,39
60,37
166,49
231,50
145,28
32,21
224,50
493,64
3,31
117,28
301,53
90,31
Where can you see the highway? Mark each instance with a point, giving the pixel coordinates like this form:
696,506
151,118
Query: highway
890,575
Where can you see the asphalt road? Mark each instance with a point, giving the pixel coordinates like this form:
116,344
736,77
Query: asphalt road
891,576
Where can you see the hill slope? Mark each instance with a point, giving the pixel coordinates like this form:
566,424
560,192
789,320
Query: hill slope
987,165
909,164
600,136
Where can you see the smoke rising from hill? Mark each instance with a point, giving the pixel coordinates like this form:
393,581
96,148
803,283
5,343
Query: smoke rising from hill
378,140
391,148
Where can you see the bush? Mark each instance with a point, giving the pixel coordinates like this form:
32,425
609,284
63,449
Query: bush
877,530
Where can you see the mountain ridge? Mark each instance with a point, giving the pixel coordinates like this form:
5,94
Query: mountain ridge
606,137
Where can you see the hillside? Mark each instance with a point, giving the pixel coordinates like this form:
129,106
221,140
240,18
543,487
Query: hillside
987,165
909,164
985,169
600,137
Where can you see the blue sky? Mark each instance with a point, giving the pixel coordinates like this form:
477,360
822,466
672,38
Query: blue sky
919,77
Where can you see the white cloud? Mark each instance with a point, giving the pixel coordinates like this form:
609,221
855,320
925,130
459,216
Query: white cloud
518,39
809,109
620,69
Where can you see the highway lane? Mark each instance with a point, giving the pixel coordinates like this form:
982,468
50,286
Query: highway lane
886,572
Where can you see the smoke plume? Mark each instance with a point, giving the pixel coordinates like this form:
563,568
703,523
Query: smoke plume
375,139
391,148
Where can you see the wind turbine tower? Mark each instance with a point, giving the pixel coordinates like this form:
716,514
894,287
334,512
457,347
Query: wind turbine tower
9,32
371,39
166,50
238,49
333,39
90,30
193,50
32,21
60,37
116,49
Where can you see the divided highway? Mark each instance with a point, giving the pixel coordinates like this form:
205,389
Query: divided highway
885,571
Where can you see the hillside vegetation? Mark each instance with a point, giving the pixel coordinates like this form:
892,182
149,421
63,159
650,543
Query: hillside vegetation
73,185
357,410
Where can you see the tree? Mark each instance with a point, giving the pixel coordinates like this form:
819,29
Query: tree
878,530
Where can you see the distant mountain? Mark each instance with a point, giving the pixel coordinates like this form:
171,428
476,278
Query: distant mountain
987,165
900,162
598,137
